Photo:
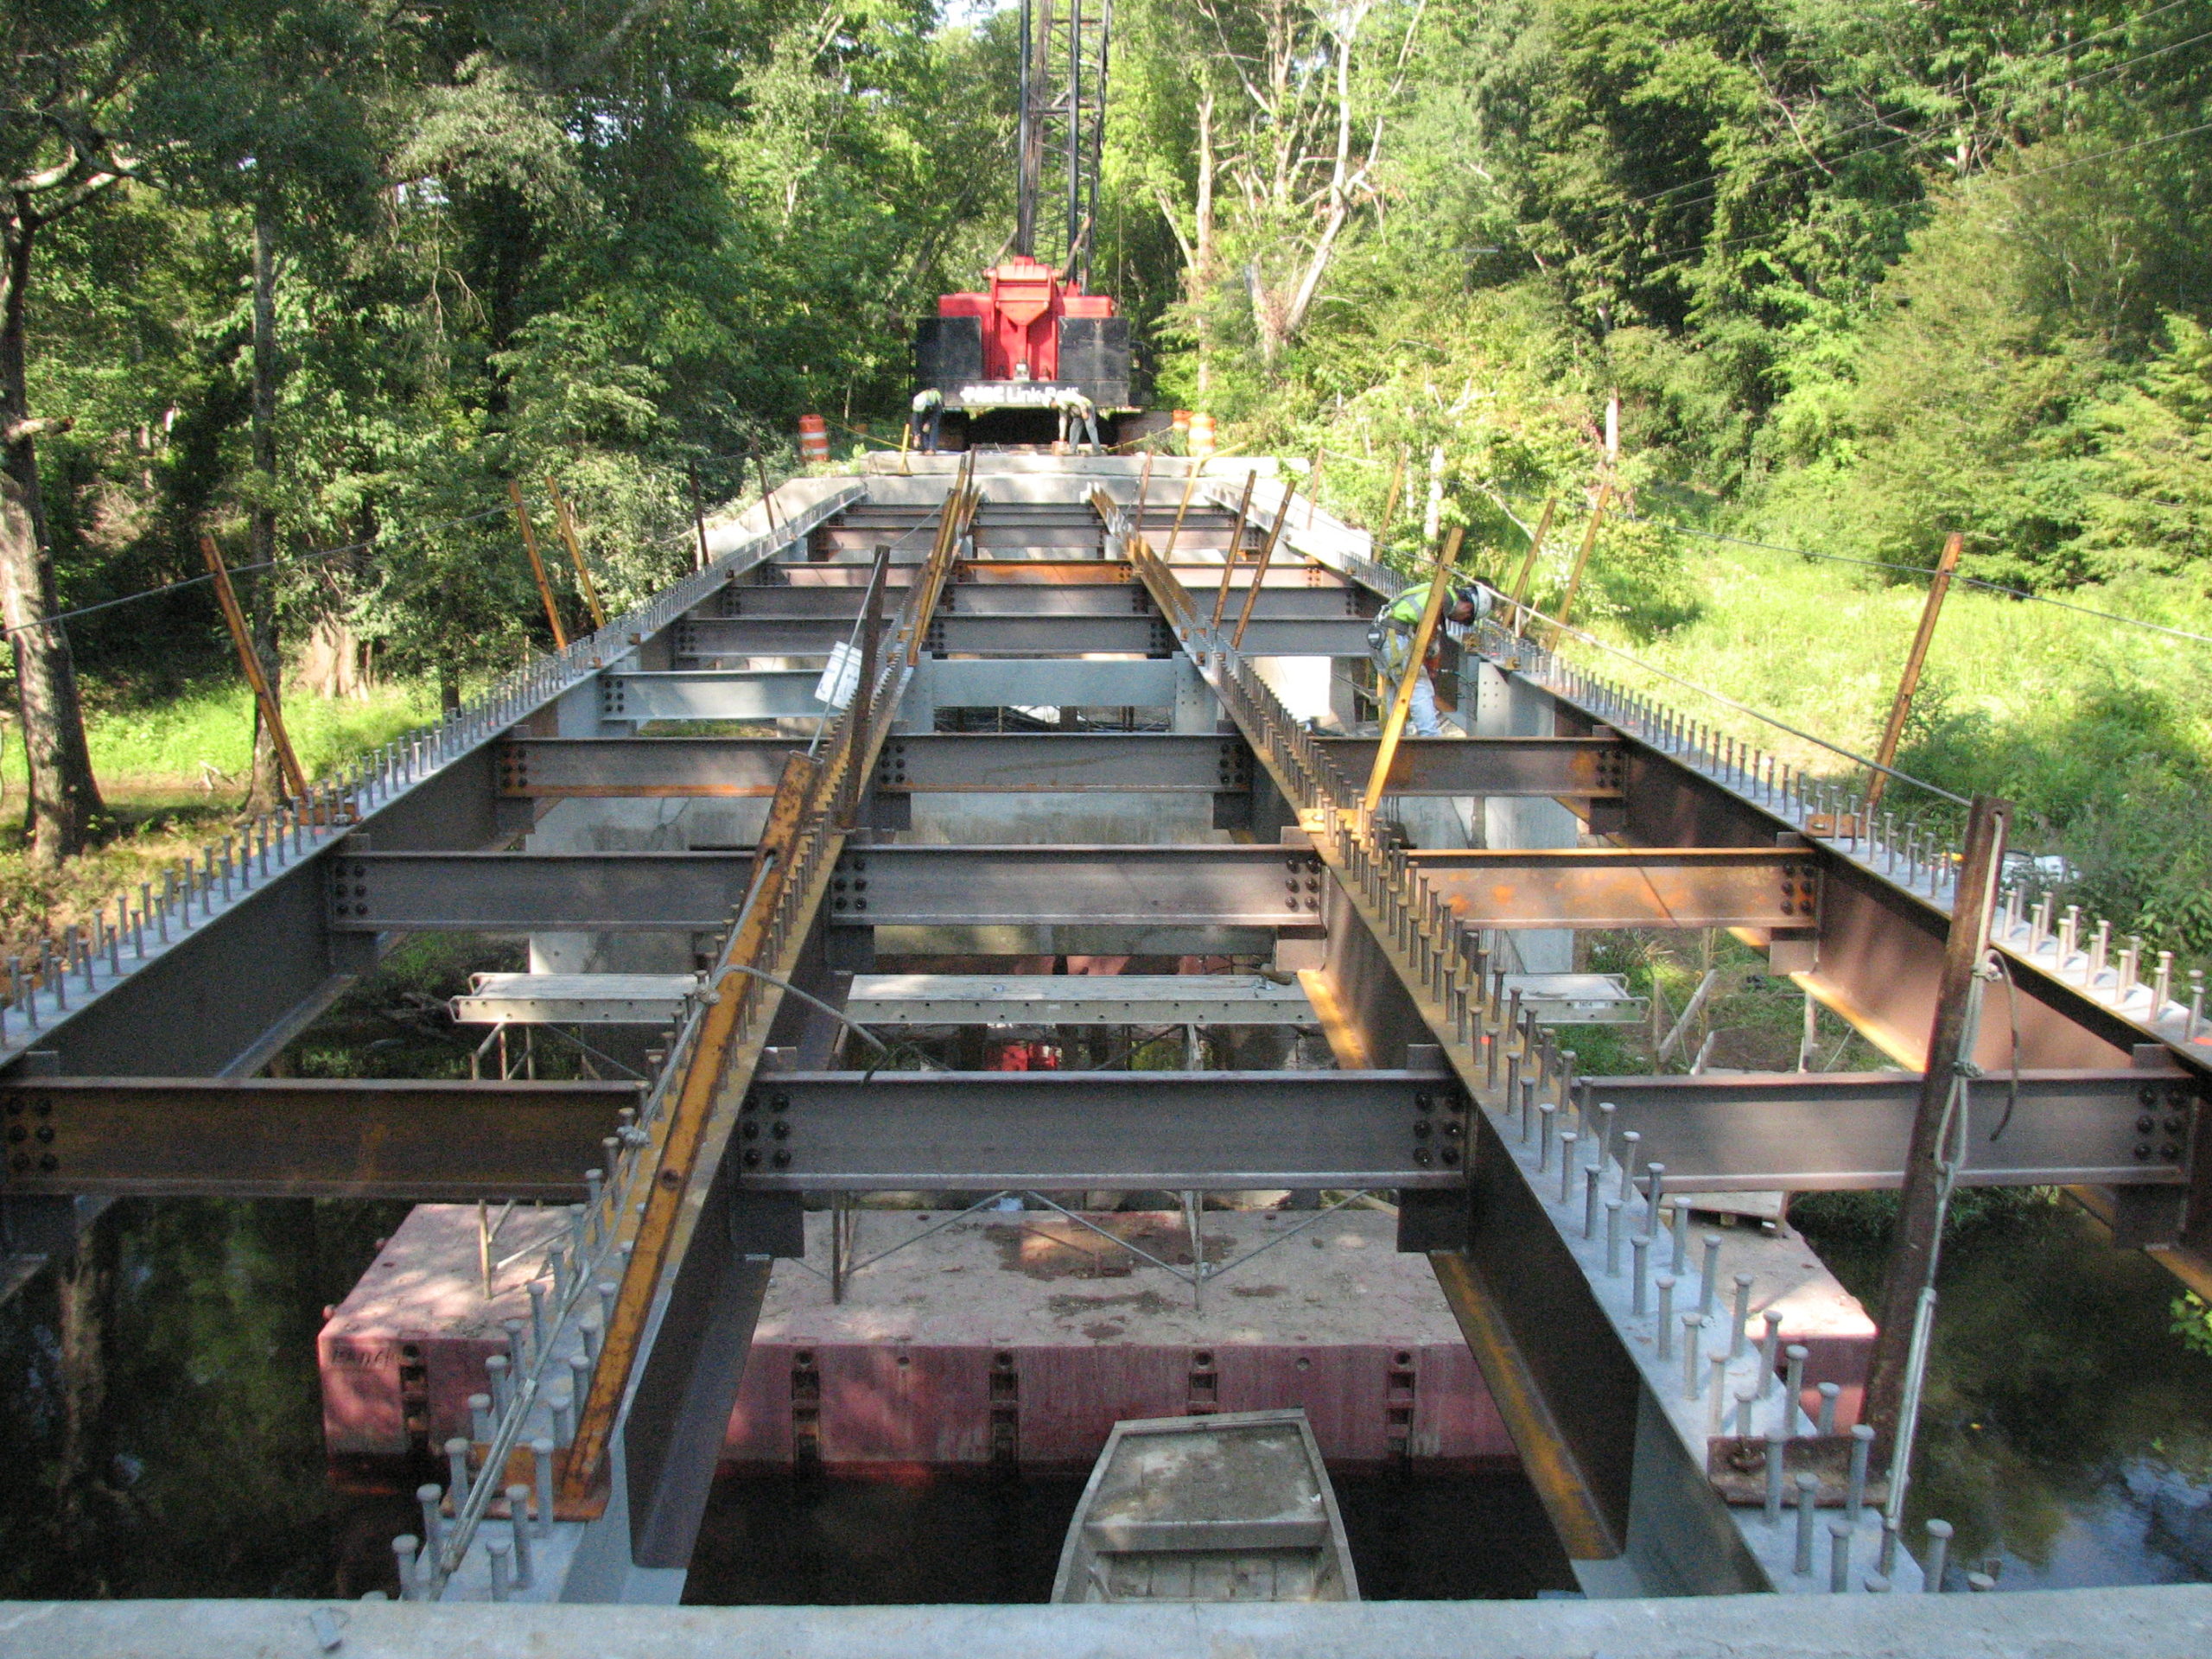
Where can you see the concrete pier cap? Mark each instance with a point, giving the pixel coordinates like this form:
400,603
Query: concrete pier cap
2155,1622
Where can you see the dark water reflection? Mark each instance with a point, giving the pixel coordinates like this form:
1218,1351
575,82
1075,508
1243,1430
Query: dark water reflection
2066,1429
180,1452
1449,1535
191,1462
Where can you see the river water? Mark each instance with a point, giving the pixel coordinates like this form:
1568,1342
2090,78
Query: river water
2066,1431
2068,1436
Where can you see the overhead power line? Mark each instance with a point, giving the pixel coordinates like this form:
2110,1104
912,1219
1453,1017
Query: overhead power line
2028,595
1665,254
1929,140
1566,631
1975,85
263,564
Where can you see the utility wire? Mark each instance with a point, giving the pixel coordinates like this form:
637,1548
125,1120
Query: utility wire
2032,597
1924,570
1570,631
1975,85
1665,254
320,553
1931,139
241,569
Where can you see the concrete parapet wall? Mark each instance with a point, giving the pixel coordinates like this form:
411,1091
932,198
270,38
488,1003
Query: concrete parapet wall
2161,1622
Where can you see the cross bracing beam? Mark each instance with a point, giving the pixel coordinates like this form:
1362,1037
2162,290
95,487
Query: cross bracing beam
1058,762
1052,683
925,763
585,768
534,892
1096,601
785,694
711,693
1078,1000
1042,635
1195,574
785,602
1223,886
1184,885
289,1137
1181,1130
1574,767
1609,886
1020,632
861,540
1804,1132
1196,885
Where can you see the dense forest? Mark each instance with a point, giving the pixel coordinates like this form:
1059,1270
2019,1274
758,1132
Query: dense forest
321,281
321,278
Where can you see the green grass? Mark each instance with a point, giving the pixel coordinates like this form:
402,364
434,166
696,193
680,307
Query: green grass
208,733
173,773
2100,734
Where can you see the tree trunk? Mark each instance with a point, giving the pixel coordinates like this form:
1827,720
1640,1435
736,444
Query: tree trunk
64,800
268,786
83,1285
1202,244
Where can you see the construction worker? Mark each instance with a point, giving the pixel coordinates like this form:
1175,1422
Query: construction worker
1390,643
1078,415
929,413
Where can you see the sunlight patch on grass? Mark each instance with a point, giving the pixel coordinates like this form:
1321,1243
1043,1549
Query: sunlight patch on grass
210,730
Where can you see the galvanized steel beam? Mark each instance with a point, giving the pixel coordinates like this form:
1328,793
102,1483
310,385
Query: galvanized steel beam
1059,1130
1048,682
573,999
925,763
1801,1132
710,693
1078,1000
1121,887
534,892
1242,887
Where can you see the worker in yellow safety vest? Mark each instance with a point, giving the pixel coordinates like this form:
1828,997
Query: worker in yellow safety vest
1390,643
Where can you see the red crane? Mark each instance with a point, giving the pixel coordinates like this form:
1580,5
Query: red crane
1001,358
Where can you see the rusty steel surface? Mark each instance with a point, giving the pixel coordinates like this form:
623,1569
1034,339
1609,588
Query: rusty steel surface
1581,767
680,1168
287,1137
1604,886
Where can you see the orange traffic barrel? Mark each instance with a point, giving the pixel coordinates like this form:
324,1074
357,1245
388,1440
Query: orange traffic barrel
1201,440
1181,418
813,438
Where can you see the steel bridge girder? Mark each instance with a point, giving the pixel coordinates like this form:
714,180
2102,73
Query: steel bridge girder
287,1137
1771,887
1066,1130
1801,1132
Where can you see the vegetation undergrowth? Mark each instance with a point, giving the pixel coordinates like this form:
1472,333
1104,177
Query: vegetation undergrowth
173,767
2099,734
